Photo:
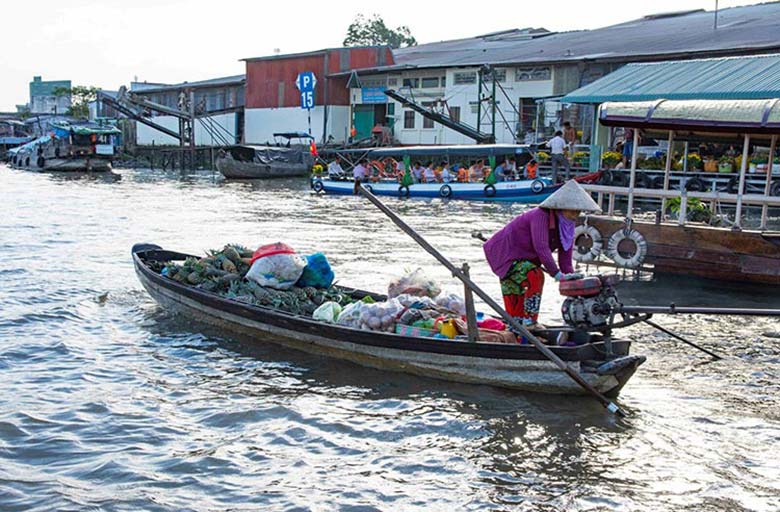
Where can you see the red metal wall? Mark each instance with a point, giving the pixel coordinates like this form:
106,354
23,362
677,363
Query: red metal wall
263,77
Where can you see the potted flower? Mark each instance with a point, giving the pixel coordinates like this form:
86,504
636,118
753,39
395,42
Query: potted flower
317,169
610,159
726,164
542,157
581,158
694,162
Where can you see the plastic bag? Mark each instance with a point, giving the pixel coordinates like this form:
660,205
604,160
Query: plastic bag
414,283
413,301
380,316
452,302
280,271
317,272
327,312
350,315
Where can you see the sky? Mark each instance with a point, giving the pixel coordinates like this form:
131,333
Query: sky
108,43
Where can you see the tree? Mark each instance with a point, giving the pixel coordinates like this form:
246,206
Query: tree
373,31
80,98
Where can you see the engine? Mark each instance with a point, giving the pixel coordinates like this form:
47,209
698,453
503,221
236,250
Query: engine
590,301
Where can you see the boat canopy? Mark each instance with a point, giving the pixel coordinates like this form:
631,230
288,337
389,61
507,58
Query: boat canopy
266,154
754,117
30,145
475,150
63,129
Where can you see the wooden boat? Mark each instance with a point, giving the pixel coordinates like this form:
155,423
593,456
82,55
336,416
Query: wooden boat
269,161
70,147
514,366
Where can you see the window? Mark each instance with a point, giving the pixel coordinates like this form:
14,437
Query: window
392,82
499,73
455,114
430,82
414,83
532,74
444,81
527,120
409,119
465,78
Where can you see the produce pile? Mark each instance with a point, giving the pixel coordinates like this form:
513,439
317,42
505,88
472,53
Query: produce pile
224,272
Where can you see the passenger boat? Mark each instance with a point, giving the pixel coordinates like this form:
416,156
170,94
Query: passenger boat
82,147
515,366
269,161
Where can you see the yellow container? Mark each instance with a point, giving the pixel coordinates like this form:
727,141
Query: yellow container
448,329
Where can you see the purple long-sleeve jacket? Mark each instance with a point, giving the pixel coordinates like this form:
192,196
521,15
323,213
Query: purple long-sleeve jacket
532,236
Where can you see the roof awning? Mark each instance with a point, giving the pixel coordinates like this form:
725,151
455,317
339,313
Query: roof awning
755,117
734,78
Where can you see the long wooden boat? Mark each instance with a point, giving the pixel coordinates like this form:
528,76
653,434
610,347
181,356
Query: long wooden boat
515,366
743,256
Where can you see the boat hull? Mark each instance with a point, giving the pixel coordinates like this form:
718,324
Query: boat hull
713,253
233,169
518,367
64,165
523,191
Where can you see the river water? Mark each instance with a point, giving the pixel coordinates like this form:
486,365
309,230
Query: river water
107,402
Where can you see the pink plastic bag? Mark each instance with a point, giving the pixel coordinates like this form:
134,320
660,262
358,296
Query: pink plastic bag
492,323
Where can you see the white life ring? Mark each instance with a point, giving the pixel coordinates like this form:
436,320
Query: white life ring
632,259
582,253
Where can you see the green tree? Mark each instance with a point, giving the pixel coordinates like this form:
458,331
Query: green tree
80,98
373,31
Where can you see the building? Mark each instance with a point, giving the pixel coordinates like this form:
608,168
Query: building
217,105
534,68
49,97
273,102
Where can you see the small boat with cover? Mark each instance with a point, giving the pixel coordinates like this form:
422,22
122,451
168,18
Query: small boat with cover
602,361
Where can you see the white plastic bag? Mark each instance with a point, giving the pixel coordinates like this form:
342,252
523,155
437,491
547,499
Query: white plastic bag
407,300
452,302
280,271
413,283
350,315
327,312
380,316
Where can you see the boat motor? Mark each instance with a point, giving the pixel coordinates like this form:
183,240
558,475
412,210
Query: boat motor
590,302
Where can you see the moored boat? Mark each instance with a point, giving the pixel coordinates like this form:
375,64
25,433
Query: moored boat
267,161
515,366
84,147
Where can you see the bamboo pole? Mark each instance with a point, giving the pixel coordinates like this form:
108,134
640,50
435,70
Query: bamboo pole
632,178
742,170
667,169
512,321
768,185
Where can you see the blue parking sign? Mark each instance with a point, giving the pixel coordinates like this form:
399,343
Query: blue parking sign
306,82
307,99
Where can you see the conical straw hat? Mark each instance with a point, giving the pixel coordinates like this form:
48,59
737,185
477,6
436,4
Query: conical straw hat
571,196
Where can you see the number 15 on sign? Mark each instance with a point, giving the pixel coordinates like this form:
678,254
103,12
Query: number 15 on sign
307,99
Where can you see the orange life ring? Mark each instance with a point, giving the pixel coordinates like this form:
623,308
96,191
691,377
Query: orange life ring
379,167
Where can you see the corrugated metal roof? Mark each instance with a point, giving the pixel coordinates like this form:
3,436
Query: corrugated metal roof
213,82
740,30
746,78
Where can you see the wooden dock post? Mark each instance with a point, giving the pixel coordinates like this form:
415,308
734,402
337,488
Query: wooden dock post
742,170
667,169
632,178
471,314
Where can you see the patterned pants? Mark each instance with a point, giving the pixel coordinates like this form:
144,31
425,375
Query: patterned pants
522,289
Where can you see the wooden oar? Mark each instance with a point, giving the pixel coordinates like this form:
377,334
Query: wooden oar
509,319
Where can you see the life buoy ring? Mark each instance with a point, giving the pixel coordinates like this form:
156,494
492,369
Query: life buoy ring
368,187
695,185
445,191
537,186
41,162
606,177
317,186
641,180
587,244
489,190
403,191
627,248
620,179
774,189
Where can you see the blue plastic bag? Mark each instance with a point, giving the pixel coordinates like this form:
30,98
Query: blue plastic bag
317,272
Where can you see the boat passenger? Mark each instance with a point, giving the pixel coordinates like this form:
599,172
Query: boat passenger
510,168
502,171
476,171
463,173
531,169
428,173
335,171
417,172
446,174
521,252
359,173
557,156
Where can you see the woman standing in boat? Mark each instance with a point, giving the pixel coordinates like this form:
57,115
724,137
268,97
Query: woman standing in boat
521,252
